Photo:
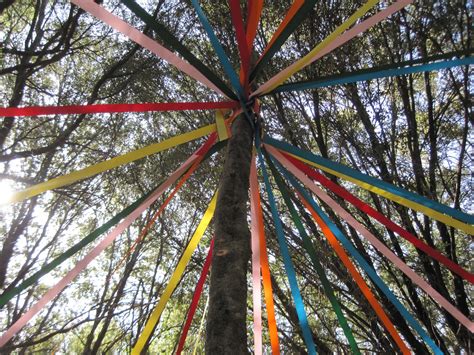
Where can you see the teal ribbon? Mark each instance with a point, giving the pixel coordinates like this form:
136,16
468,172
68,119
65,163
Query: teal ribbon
234,79
373,73
170,40
290,271
370,180
308,245
362,262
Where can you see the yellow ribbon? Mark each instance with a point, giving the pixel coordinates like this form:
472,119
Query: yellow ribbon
469,229
68,179
221,126
178,273
300,64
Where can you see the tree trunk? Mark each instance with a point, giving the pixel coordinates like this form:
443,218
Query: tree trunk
226,331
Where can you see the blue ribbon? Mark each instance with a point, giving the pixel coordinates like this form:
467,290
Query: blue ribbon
290,271
362,262
234,80
352,78
371,180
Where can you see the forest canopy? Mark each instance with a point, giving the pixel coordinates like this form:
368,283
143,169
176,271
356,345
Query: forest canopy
413,131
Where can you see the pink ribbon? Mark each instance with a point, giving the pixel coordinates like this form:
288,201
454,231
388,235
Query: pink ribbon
339,41
256,286
145,41
418,280
82,264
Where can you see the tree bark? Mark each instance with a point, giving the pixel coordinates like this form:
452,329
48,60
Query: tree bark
226,332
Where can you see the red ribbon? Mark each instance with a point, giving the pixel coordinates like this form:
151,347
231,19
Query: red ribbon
381,218
196,297
236,15
113,108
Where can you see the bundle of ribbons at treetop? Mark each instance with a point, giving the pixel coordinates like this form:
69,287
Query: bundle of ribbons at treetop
297,173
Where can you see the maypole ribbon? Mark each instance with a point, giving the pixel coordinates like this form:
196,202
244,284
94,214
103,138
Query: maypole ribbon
203,154
114,108
175,278
118,24
290,271
337,189
298,12
365,265
169,39
222,128
417,280
258,227
110,164
82,264
357,277
292,11
236,17
196,297
253,18
11,292
364,75
255,242
333,41
308,246
406,198
229,70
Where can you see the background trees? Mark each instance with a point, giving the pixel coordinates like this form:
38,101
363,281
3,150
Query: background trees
412,131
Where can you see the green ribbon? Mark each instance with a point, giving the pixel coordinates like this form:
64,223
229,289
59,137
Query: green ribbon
299,17
308,245
9,293
170,40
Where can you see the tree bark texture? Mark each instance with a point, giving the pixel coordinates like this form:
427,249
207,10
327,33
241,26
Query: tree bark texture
226,332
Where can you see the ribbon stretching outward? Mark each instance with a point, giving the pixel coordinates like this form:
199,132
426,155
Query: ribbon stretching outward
196,297
308,246
419,203
258,231
290,271
333,41
175,278
170,40
81,265
236,16
111,163
11,292
145,41
234,80
256,288
365,265
204,154
420,282
113,108
357,278
373,73
253,17
298,12
435,254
